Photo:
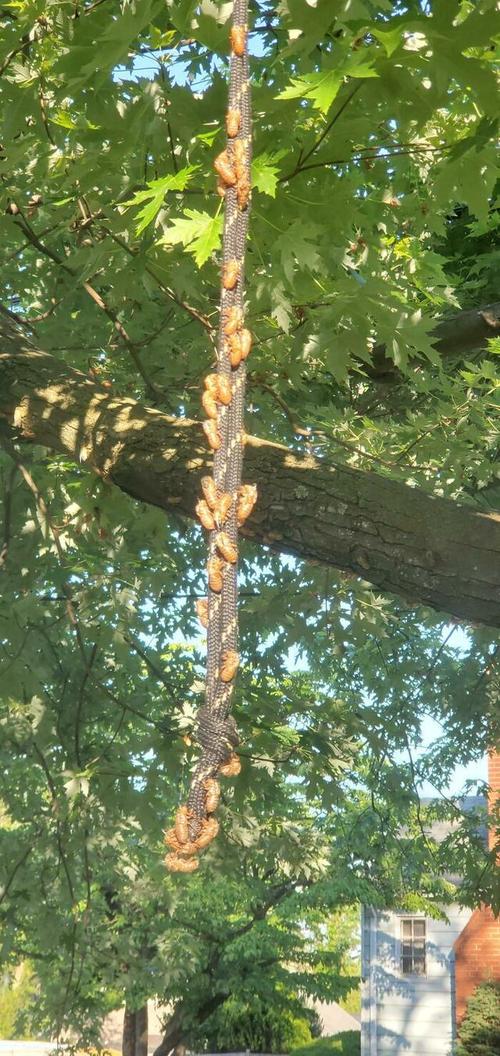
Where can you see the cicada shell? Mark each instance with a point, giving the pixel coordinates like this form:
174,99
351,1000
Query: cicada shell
213,795
229,665
224,168
211,384
209,405
230,274
233,122
209,489
234,350
171,840
245,343
201,606
205,515
238,38
212,434
215,568
223,507
243,192
226,547
247,497
234,320
224,390
209,830
240,159
181,865
232,767
182,825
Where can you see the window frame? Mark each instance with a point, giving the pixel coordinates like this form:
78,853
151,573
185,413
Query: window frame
416,943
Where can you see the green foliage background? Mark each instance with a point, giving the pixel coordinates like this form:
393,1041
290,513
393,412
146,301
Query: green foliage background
17,998
373,212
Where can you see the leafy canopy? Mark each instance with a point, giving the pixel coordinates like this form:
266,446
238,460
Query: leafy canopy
373,212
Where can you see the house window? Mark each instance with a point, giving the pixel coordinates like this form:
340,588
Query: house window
413,946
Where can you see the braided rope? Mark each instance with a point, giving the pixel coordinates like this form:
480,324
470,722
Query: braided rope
226,503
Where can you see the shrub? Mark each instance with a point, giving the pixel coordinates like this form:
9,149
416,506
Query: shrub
479,1032
17,997
256,1025
347,1043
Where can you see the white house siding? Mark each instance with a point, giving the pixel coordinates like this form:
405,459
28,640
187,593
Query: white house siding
407,1015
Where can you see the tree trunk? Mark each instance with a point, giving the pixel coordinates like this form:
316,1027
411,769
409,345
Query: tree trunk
173,1038
128,1036
135,1032
141,1031
456,335
401,539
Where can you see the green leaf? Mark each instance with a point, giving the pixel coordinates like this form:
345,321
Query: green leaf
389,38
320,88
198,232
154,196
265,172
297,248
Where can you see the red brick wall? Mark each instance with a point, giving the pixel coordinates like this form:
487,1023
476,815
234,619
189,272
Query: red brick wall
477,955
477,949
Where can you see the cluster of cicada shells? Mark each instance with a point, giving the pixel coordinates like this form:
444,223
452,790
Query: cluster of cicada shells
215,506
183,857
231,165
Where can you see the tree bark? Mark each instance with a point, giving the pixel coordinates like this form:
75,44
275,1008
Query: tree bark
141,1031
128,1035
401,539
456,335
175,1032
135,1032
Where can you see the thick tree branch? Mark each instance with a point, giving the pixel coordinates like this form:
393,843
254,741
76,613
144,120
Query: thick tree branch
401,539
456,335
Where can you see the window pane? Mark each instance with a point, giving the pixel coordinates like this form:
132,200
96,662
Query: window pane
413,946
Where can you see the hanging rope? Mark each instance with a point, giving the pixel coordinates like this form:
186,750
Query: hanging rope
226,503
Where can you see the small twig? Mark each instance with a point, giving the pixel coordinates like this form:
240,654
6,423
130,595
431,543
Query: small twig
361,156
193,312
88,667
13,315
20,862
151,664
312,431
335,118
45,122
31,319
42,32
33,238
7,506
304,157
120,329
298,429
55,807
172,149
125,707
